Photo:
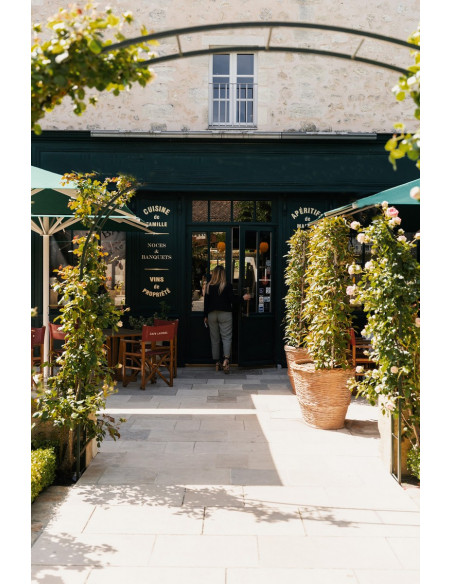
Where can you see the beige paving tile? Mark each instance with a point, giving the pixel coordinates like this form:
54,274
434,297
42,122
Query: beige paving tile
205,550
71,517
135,519
92,550
256,520
388,576
128,476
283,495
226,496
171,496
157,575
407,550
326,552
194,477
345,522
232,460
59,575
290,576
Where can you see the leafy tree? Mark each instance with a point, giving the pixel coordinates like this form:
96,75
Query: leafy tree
77,56
401,145
73,398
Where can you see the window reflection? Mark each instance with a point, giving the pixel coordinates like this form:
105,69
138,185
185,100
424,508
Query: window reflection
200,259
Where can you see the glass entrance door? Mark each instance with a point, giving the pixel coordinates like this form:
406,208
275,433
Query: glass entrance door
247,255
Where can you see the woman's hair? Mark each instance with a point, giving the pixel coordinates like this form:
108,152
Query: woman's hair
218,277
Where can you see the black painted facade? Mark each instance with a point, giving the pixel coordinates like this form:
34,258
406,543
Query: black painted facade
301,176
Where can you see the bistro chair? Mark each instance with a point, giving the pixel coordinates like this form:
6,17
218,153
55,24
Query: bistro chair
37,340
150,356
175,322
56,348
358,347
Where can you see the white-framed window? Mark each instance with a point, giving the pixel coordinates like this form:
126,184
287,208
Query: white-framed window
233,91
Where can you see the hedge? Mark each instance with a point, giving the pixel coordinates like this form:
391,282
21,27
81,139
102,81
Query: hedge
43,467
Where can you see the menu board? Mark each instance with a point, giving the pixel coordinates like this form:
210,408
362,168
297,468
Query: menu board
156,254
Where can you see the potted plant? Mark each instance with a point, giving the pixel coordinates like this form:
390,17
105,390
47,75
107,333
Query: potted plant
295,329
321,386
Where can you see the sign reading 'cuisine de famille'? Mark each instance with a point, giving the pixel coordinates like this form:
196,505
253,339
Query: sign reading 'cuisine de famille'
156,254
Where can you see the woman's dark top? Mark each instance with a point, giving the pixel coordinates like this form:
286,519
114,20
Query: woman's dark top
215,301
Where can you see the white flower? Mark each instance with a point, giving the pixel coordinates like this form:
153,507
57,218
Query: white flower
61,57
401,238
375,374
119,323
415,193
390,405
394,221
355,224
401,231
354,269
362,238
417,235
384,204
378,388
394,369
359,369
418,322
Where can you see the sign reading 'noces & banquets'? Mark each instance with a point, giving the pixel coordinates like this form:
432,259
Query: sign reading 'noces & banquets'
156,253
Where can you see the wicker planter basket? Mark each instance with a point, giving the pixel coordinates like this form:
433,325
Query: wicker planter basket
323,394
295,354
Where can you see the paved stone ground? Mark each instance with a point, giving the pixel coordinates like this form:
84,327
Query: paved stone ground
218,481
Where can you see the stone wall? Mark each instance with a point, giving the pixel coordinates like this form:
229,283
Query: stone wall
296,92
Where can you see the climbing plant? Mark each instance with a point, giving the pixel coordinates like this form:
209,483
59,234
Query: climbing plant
408,144
389,293
76,57
75,397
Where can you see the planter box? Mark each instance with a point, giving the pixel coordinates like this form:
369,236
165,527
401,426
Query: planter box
384,427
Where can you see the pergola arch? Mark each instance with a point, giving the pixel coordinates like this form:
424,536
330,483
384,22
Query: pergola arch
270,25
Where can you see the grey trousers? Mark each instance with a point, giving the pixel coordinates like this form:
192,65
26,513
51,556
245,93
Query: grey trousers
220,326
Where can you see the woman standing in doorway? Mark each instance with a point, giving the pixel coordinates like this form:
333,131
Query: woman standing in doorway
218,301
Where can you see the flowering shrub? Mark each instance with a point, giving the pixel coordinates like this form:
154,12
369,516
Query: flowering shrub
294,277
327,308
389,292
75,395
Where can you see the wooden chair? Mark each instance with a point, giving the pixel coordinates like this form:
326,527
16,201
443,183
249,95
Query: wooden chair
175,322
358,347
150,356
37,340
55,349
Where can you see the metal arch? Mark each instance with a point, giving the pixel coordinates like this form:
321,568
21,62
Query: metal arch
270,25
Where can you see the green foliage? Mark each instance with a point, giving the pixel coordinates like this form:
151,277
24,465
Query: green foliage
414,462
138,322
43,467
389,292
401,145
76,394
327,309
294,277
77,57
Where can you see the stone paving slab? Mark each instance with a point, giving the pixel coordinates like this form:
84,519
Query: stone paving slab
218,480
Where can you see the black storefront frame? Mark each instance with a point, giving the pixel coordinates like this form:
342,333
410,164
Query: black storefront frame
299,173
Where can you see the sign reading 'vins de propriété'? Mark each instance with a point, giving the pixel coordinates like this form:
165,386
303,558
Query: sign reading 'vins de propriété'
156,254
